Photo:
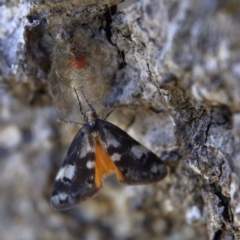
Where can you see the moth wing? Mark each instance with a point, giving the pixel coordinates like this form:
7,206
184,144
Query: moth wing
137,164
74,182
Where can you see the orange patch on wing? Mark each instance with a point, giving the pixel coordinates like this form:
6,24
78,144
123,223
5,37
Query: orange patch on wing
104,165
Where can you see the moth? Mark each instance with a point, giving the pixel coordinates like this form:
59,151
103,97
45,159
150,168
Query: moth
98,149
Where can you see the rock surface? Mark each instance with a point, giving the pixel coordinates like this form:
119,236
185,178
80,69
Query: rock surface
170,68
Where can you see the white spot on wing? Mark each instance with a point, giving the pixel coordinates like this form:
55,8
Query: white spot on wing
90,164
116,157
60,197
154,168
55,200
138,151
110,140
68,172
86,148
60,174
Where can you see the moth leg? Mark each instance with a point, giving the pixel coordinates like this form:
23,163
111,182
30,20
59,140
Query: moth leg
72,122
108,114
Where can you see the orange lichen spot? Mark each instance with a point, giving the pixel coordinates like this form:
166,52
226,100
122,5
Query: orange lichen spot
104,165
77,61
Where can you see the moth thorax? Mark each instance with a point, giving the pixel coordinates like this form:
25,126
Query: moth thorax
90,117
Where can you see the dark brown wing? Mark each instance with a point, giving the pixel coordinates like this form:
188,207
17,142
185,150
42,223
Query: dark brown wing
75,180
137,164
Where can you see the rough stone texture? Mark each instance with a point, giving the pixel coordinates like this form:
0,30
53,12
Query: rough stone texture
171,68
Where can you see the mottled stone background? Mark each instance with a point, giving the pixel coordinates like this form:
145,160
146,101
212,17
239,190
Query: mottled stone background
170,68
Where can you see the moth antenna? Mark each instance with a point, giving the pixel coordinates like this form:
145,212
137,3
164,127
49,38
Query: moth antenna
79,102
90,106
108,114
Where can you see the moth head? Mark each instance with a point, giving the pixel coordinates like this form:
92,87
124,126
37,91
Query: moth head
90,115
